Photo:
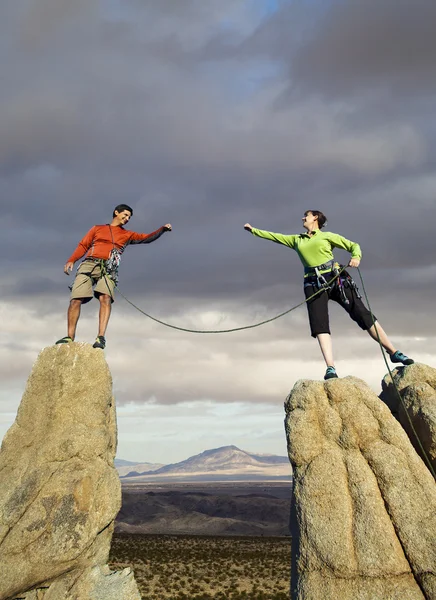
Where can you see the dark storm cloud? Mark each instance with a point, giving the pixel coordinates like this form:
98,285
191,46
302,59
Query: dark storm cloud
209,114
371,43
346,47
186,121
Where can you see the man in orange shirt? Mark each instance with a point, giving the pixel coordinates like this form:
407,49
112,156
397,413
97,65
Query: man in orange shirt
102,247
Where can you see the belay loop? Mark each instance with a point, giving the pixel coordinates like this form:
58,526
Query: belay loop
340,284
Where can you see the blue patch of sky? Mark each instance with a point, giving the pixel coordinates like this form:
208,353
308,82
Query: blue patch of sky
113,10
239,80
269,7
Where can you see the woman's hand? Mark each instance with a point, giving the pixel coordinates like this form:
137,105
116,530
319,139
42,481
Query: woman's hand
354,262
248,227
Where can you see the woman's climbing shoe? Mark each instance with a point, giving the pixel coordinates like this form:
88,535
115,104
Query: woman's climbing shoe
399,357
100,342
330,373
65,340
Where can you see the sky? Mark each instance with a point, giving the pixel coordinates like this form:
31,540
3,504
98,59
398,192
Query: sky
208,115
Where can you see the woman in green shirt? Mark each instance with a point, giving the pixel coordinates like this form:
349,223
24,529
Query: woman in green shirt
315,249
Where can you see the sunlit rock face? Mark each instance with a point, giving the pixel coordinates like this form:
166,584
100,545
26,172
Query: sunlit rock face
363,515
416,408
60,492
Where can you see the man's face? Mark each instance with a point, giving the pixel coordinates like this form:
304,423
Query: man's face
123,217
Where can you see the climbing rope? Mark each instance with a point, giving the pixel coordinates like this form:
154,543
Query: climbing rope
322,289
424,453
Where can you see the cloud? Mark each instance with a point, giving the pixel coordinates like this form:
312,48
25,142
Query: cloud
208,117
370,43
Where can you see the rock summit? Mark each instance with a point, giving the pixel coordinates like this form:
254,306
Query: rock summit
363,516
60,492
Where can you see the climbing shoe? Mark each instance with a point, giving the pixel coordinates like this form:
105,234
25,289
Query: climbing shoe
399,357
65,340
100,342
330,373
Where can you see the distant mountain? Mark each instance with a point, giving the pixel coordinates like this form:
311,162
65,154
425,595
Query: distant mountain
119,462
124,467
218,464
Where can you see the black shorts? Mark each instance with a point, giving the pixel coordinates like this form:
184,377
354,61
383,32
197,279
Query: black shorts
318,307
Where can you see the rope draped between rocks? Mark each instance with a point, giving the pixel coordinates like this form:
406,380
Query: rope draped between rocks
322,289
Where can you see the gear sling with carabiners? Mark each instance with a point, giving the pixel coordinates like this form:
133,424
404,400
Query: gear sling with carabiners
342,290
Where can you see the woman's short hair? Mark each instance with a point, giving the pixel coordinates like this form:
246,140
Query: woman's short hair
122,207
322,219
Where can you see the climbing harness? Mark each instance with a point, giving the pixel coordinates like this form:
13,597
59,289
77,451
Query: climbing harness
109,267
105,270
316,276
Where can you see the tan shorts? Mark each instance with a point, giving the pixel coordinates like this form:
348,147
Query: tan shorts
88,277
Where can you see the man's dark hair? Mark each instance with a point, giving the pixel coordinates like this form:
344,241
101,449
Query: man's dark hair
121,207
322,219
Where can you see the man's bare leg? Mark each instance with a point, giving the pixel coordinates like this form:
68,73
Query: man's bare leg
73,315
325,343
104,313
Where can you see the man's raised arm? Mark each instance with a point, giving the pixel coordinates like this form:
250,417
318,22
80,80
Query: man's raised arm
146,238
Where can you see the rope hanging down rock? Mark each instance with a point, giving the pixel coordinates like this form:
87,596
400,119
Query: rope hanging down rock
415,433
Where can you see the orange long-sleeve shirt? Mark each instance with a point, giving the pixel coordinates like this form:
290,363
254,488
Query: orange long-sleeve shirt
98,242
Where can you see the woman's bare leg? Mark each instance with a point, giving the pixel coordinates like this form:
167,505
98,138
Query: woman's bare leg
384,340
325,343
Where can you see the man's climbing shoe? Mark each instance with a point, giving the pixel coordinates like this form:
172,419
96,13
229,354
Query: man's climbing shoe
399,357
330,373
100,342
65,340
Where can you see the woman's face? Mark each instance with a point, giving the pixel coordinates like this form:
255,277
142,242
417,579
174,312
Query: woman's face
309,221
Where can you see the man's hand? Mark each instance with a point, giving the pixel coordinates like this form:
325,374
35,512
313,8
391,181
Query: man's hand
168,227
248,227
354,262
68,268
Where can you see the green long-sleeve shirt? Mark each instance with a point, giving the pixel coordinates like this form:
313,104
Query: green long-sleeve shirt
313,250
